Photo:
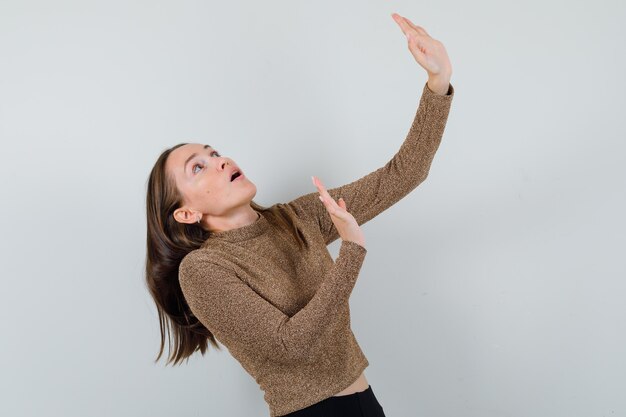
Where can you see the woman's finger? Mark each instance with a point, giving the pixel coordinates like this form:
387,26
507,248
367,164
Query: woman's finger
322,189
418,29
329,202
333,208
324,196
404,26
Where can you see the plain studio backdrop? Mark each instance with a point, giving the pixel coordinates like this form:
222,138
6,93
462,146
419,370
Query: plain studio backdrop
495,289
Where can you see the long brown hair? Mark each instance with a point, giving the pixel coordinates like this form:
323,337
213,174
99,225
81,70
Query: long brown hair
168,242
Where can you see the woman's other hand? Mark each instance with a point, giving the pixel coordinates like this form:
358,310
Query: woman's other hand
428,52
345,223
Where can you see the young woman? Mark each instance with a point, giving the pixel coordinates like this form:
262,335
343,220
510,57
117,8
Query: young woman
260,280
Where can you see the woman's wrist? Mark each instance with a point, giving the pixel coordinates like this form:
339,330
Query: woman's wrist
439,84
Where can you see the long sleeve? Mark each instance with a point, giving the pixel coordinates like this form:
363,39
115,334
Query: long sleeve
375,192
234,312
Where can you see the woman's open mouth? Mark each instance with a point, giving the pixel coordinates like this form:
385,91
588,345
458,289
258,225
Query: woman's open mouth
237,176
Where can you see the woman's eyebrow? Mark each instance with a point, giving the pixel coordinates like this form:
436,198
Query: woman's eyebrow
192,156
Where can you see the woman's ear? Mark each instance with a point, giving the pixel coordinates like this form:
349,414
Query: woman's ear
184,215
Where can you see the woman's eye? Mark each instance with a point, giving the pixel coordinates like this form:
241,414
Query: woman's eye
193,168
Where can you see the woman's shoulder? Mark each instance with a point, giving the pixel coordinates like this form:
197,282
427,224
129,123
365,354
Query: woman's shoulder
202,257
205,254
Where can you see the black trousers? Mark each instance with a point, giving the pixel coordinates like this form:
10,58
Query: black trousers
358,404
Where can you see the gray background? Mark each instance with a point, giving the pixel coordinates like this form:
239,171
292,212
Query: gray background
495,289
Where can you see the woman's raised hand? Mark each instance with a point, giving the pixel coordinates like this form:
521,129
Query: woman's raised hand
345,223
428,52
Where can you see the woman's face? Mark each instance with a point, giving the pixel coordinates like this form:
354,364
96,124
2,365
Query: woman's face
203,177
